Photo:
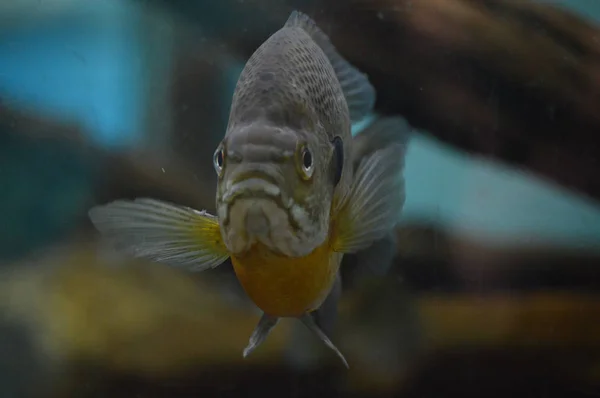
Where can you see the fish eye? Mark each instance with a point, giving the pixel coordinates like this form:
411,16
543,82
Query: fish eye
219,160
307,165
306,159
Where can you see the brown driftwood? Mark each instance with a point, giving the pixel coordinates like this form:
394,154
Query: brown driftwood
516,80
513,80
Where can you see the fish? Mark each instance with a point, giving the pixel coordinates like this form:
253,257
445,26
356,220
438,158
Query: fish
289,203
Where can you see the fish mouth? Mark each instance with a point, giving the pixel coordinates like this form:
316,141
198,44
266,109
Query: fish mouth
257,219
256,210
259,186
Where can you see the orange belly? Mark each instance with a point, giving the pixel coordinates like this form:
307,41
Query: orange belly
287,287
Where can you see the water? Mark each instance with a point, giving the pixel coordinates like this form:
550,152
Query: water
496,272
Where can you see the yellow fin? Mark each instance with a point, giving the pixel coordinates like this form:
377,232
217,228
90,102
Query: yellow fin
162,232
373,204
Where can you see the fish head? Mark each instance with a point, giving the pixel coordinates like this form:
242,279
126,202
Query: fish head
274,188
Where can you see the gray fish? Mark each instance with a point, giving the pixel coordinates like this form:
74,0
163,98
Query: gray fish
289,203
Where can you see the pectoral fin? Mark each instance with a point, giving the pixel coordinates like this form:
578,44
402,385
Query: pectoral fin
373,205
376,259
162,232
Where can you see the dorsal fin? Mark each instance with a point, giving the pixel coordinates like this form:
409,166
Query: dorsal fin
359,93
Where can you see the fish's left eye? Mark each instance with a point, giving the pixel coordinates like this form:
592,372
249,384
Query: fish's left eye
306,163
219,160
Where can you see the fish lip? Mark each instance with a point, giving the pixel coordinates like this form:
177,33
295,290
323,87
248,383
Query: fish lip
258,174
256,187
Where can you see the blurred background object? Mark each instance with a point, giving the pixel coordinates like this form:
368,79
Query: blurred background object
494,285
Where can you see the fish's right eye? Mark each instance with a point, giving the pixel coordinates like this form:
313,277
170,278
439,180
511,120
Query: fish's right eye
305,163
219,159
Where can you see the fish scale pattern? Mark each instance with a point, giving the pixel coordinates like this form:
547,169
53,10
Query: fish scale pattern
290,77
